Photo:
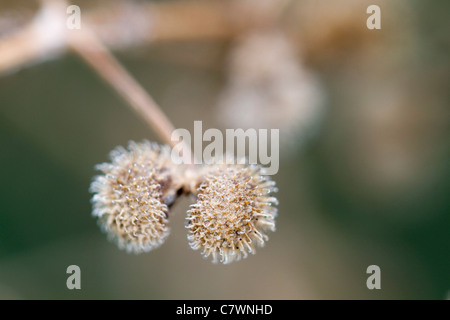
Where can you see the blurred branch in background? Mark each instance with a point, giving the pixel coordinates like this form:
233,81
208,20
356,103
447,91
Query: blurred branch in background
122,24
126,24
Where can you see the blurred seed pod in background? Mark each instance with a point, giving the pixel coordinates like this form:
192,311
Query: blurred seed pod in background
133,195
268,87
233,210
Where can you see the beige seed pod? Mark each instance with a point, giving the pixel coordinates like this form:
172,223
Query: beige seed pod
133,195
233,209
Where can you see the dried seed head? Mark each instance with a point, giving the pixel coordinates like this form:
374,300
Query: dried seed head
233,209
132,197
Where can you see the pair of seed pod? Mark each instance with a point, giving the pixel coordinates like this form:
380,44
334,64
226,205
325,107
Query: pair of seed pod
133,195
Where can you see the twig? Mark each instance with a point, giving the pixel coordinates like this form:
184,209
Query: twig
18,50
124,24
92,51
107,66
42,39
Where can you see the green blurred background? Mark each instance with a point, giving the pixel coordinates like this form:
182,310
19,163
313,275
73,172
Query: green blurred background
372,186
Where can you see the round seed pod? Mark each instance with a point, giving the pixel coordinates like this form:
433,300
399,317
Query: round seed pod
233,210
132,197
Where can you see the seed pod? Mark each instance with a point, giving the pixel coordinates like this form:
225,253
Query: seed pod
133,195
233,209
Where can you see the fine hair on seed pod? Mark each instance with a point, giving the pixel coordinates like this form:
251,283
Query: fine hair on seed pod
133,194
233,210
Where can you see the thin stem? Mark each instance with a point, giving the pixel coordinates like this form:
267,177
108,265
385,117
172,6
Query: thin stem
98,57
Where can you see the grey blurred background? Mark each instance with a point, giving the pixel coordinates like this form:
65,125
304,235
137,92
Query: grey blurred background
370,187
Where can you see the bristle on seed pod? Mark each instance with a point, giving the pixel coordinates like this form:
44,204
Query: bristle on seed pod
233,209
132,196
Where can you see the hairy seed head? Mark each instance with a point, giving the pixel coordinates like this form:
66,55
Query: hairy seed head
233,209
132,196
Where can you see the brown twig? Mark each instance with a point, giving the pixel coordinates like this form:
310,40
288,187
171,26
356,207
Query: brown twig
18,50
124,24
98,57
42,39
